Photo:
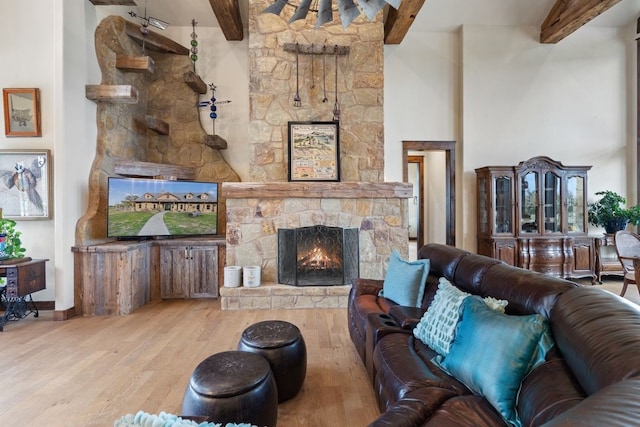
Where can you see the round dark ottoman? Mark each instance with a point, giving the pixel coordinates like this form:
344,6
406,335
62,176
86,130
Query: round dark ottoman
233,387
281,343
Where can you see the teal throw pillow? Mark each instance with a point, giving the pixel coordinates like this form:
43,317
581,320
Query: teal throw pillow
493,352
405,280
437,327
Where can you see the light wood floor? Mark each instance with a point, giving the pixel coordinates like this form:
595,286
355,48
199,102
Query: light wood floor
90,371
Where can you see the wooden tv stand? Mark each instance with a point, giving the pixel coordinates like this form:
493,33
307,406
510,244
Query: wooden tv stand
117,277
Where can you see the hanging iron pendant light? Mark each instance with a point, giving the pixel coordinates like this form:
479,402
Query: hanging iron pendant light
324,9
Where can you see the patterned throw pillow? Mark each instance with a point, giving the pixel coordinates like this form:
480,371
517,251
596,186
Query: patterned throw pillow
437,328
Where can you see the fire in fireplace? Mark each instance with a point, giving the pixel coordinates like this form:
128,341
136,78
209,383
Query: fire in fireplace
318,256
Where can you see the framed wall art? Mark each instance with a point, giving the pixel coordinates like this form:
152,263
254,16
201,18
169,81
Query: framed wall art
21,112
314,151
25,184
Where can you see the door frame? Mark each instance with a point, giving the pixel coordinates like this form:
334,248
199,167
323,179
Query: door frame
449,147
419,160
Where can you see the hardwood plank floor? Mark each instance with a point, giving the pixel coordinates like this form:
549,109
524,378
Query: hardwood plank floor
90,371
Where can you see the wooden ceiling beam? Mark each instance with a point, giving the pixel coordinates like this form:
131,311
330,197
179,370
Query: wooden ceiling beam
399,21
566,16
228,15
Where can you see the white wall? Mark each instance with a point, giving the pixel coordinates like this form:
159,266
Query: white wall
504,98
29,44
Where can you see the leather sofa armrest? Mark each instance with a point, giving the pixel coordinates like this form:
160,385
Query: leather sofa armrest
406,317
367,286
615,406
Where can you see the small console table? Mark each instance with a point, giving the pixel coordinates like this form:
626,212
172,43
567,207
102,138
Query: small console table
22,279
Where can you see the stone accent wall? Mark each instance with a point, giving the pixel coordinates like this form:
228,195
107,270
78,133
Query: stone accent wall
272,74
122,131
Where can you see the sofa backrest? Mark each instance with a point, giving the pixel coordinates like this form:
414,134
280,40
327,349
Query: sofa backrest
528,292
598,334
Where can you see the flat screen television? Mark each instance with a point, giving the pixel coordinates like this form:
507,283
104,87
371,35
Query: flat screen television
144,208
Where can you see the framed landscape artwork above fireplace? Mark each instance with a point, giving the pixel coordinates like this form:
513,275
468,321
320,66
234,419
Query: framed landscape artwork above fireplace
314,151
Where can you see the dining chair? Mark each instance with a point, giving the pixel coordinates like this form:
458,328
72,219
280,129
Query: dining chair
627,244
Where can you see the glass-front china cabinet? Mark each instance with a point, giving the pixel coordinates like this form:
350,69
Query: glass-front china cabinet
533,215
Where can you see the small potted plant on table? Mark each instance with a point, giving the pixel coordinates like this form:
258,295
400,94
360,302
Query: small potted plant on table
10,242
610,212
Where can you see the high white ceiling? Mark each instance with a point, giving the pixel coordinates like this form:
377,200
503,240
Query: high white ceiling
436,15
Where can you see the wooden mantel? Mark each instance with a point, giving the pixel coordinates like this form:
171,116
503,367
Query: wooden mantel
315,190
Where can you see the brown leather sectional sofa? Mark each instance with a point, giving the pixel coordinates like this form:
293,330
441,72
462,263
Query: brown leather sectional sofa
591,377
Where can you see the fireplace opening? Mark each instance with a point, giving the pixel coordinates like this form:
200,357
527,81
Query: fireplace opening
318,256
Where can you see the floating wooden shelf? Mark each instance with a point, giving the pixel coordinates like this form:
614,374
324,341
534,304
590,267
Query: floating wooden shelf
113,2
215,141
135,64
154,41
157,125
149,170
117,94
195,82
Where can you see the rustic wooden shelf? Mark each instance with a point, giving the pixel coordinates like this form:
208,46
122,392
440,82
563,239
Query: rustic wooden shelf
195,82
154,41
113,2
135,64
215,141
317,49
150,170
117,94
157,125
316,190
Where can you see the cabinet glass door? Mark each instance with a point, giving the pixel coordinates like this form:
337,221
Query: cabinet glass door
503,205
575,204
529,203
551,203
483,212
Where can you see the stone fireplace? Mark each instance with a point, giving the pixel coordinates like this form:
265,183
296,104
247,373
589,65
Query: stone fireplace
317,256
256,211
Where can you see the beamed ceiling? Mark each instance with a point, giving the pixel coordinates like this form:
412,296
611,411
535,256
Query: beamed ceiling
563,18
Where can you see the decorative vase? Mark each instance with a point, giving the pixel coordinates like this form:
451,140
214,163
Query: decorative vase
615,225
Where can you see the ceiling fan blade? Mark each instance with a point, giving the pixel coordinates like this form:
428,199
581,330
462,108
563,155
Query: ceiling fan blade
371,7
276,7
301,11
348,12
325,13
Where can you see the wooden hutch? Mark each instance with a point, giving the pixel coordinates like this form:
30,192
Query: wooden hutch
534,216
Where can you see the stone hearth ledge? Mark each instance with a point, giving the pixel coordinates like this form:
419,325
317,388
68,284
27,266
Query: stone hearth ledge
276,296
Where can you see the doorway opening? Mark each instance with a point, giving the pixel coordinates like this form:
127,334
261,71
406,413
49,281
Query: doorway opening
446,179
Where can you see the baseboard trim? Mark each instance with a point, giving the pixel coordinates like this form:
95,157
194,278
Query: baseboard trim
60,315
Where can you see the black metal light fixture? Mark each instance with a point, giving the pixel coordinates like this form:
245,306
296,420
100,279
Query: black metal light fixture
324,9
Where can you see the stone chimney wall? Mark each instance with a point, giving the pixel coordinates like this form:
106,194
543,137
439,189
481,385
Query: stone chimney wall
272,72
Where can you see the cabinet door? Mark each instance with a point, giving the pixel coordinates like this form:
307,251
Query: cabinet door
551,206
584,258
528,215
503,219
204,272
576,196
174,272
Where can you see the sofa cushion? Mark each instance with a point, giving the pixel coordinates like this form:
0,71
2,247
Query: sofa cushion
437,327
405,280
492,353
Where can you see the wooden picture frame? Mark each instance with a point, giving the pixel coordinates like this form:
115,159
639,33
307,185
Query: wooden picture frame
21,112
314,151
25,184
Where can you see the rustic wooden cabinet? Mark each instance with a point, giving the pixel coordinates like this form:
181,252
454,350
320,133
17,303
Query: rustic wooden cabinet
118,277
534,215
188,271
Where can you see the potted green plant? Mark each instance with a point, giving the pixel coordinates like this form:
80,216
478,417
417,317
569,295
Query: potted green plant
11,236
610,212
